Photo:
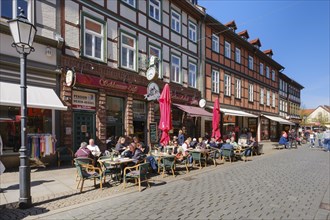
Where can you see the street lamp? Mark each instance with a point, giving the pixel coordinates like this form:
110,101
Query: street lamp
23,33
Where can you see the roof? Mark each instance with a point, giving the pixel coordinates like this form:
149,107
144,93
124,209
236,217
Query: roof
232,24
269,51
326,107
256,42
307,111
244,34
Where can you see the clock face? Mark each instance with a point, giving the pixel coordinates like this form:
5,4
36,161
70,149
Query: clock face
151,73
202,103
69,78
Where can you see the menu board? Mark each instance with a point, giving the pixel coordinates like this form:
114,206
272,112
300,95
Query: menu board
153,132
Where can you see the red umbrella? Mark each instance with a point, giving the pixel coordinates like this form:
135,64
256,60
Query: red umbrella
216,120
165,123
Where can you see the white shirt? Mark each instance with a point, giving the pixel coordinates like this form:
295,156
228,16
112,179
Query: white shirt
94,149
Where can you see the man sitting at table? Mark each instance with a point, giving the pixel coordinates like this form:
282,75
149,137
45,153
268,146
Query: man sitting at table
227,146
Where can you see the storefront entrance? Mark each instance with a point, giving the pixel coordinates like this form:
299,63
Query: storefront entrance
139,120
83,127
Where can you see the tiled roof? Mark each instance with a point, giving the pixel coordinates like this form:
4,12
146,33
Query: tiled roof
326,107
232,24
244,34
307,111
255,42
269,51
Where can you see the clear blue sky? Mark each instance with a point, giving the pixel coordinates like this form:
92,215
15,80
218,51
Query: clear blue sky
296,31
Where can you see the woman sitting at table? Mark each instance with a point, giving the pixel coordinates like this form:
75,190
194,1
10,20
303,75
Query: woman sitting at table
233,142
120,146
185,146
201,143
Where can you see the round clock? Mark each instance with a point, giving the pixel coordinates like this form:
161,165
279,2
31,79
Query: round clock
151,73
202,103
69,78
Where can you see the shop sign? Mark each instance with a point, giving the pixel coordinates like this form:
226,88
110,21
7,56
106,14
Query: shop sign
94,81
153,132
152,92
83,100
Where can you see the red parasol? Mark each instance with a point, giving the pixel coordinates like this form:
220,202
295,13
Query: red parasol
216,120
165,123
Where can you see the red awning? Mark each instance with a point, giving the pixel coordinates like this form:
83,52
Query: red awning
194,111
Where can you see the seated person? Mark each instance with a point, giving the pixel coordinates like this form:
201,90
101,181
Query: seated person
134,153
228,146
179,156
83,151
120,146
185,146
94,148
176,147
201,143
193,144
233,142
213,143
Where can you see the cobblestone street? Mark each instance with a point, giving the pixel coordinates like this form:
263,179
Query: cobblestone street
290,184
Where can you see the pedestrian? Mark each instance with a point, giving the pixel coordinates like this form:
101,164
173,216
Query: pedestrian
181,138
293,138
326,142
312,139
320,138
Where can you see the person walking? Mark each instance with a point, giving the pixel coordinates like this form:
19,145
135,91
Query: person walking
320,138
293,138
326,141
312,139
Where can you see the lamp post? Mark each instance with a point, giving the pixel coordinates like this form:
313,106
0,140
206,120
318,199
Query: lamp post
23,33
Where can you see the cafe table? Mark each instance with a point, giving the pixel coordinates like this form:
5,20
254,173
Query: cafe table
116,162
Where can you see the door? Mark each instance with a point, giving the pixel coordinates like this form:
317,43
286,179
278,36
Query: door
83,128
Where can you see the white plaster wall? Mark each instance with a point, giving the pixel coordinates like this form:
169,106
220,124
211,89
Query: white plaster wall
154,27
184,76
184,30
71,12
46,16
112,50
142,5
112,29
184,60
128,13
93,13
72,36
166,53
113,65
314,115
184,43
166,5
72,53
175,38
166,19
176,9
166,69
142,20
142,42
184,18
126,29
192,47
112,5
157,43
192,20
166,33
38,55
45,33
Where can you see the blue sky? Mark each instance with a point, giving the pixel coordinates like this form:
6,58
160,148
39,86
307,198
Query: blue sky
296,31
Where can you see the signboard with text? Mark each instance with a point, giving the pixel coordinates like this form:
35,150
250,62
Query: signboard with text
83,100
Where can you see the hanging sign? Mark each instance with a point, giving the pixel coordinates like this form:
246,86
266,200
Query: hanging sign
83,100
152,92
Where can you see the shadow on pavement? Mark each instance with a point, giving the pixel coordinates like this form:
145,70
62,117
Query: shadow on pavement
15,213
33,183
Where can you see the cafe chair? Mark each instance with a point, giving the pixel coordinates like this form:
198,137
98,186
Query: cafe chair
167,163
227,153
138,172
183,162
82,161
198,157
108,169
214,154
64,154
87,172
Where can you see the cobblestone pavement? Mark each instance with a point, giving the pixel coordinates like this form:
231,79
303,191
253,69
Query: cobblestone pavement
290,184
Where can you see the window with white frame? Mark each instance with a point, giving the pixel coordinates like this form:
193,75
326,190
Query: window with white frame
227,85
175,69
215,81
250,62
281,105
154,9
93,38
262,96
250,92
130,2
192,32
261,70
238,88
273,100
157,52
9,9
176,21
237,55
268,98
215,43
192,75
128,52
273,75
267,72
227,49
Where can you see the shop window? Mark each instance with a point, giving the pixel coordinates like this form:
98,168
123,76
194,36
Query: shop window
115,116
128,52
264,129
93,38
38,121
